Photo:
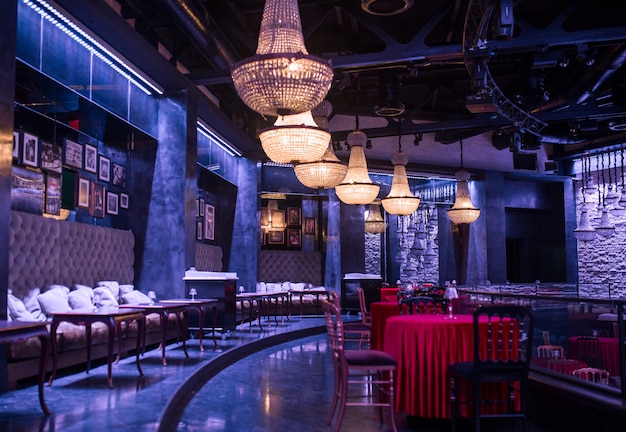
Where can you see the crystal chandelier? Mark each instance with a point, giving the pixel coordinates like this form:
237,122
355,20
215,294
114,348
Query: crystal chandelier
400,200
328,171
282,77
463,211
374,222
294,138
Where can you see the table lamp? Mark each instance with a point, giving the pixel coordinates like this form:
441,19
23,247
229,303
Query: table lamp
193,292
450,294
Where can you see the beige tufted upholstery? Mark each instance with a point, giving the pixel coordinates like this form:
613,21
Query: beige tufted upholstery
46,251
208,257
295,266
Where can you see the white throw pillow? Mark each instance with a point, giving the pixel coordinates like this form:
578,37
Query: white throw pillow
17,310
32,304
54,300
260,287
273,287
103,298
297,286
125,289
81,298
285,286
135,297
114,286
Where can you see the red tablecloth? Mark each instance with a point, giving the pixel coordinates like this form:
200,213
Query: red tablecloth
379,312
384,292
609,352
424,346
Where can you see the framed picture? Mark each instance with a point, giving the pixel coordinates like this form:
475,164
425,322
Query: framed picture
199,230
91,158
201,206
276,237
209,222
51,157
263,236
293,236
73,154
16,145
293,216
113,203
30,150
124,201
104,168
97,200
84,189
278,219
53,194
27,189
265,217
309,226
119,175
197,207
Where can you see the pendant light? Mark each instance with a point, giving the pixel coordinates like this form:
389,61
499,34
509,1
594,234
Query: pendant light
584,231
400,200
282,78
612,196
604,228
463,211
357,187
328,171
374,222
622,200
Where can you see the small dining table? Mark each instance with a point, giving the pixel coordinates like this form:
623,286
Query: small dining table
424,347
609,353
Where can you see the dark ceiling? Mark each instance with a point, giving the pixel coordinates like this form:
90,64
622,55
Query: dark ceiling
556,75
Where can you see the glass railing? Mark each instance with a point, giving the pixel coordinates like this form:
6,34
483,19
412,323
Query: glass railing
577,339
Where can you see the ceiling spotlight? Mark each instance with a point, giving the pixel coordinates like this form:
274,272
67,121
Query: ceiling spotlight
418,139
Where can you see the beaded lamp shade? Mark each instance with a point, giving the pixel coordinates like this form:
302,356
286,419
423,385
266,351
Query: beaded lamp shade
463,211
584,231
374,222
400,201
282,78
294,139
357,187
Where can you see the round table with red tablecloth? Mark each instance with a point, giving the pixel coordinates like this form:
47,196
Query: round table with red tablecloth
379,313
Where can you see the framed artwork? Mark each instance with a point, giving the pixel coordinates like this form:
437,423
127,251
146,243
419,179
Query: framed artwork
263,236
30,150
276,237
201,206
209,222
199,230
309,226
278,219
73,154
104,168
51,157
91,158
84,190
124,201
293,216
265,217
27,190
293,235
16,145
97,200
119,175
113,203
197,207
53,194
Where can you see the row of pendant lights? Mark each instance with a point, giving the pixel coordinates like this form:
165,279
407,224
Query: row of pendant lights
282,79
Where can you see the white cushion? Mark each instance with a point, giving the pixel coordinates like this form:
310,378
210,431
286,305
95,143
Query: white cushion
273,287
81,298
297,286
56,286
125,289
135,297
54,300
114,286
32,304
285,286
17,310
103,298
260,287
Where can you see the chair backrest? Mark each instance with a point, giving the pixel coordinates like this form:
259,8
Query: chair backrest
588,348
334,327
564,366
592,374
550,351
503,335
418,305
546,337
362,306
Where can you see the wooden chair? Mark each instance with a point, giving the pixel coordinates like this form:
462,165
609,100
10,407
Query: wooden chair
360,369
591,374
417,306
356,330
365,314
548,351
501,355
588,349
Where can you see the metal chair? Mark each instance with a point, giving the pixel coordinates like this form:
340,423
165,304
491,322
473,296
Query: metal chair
362,367
418,305
360,331
591,374
550,351
501,355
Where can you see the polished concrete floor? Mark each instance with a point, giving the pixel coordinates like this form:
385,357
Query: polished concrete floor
243,385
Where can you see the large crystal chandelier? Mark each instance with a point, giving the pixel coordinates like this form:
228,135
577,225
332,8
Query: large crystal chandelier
400,200
463,211
282,78
374,222
328,171
294,138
